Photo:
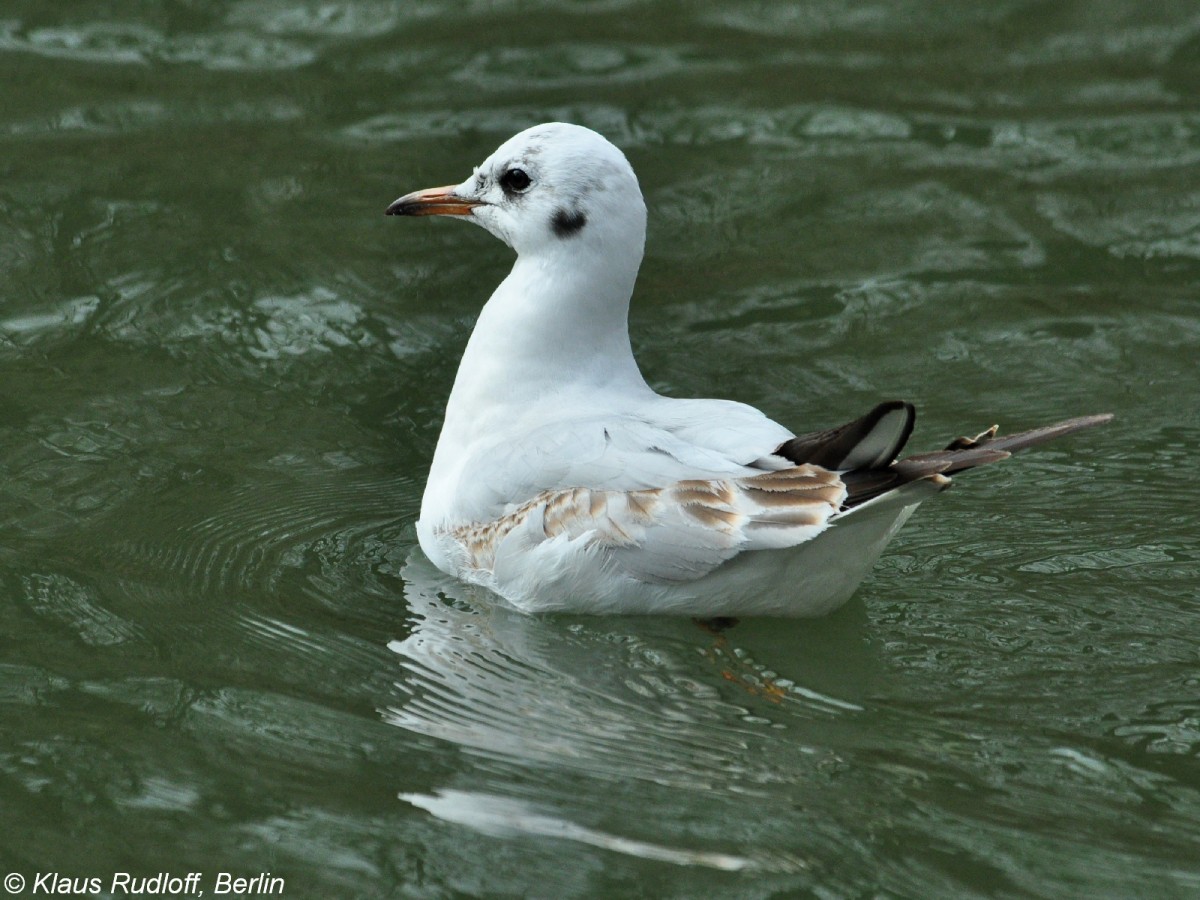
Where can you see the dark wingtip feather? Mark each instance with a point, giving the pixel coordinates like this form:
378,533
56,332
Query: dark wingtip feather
861,443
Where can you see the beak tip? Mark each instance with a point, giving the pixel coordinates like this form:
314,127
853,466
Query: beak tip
432,202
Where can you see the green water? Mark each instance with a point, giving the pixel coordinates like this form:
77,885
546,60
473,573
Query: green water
222,372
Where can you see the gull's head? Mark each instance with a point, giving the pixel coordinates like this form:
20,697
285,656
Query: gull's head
551,187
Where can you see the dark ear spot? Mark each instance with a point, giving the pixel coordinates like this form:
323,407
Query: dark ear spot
568,223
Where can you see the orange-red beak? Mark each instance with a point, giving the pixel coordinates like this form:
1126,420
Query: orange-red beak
438,201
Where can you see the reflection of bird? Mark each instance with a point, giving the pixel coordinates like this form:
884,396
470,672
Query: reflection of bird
563,482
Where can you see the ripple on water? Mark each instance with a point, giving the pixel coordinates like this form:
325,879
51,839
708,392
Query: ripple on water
500,120
121,118
812,19
565,722
466,683
67,603
320,320
1094,38
1135,221
1108,558
29,685
576,65
1168,727
258,534
341,19
801,129
248,337
564,719
502,816
65,318
132,43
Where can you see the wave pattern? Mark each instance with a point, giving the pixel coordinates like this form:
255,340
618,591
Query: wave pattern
222,372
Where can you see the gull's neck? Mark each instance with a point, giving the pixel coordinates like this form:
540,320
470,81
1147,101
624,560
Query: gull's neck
558,322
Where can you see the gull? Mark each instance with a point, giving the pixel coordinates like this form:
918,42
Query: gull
564,483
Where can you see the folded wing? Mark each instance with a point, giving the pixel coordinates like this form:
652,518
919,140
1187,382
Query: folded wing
686,529
667,535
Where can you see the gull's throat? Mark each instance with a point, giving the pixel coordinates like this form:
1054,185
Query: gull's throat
552,323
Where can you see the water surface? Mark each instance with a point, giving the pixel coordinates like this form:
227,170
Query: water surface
223,372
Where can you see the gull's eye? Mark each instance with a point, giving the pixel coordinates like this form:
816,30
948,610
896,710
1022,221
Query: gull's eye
514,181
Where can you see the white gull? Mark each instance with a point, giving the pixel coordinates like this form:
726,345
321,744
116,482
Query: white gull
563,482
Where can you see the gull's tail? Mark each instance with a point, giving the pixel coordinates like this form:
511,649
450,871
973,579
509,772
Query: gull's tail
864,451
